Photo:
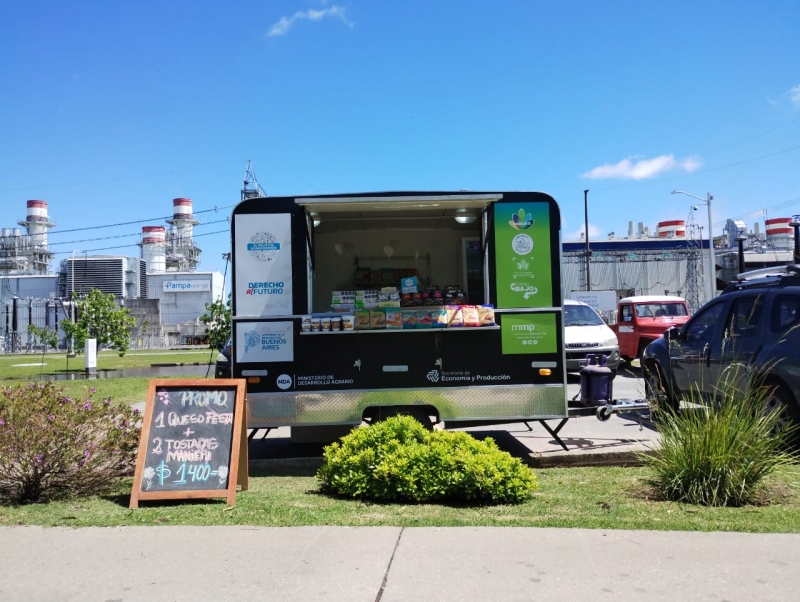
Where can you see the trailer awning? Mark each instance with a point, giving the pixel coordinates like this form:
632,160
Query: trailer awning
398,203
403,211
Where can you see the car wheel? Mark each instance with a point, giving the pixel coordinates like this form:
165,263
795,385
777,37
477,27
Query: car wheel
655,388
781,400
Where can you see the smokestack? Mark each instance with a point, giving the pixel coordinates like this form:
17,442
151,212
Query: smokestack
153,245
37,223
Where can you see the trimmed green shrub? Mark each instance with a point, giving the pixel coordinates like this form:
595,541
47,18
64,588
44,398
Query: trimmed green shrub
399,460
52,446
720,454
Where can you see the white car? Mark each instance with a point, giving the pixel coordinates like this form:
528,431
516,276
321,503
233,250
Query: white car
585,332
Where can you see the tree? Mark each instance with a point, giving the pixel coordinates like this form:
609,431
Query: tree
100,318
218,322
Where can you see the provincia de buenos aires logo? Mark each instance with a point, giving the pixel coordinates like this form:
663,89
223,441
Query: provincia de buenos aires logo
263,246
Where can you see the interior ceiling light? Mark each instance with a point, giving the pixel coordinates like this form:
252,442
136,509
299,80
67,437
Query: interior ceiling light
465,216
315,217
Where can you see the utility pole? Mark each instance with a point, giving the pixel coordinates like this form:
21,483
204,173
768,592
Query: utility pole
586,238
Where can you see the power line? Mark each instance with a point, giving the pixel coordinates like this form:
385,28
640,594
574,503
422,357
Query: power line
752,137
134,245
697,173
71,242
139,221
759,212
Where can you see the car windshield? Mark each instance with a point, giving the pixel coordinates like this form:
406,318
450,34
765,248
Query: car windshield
658,310
581,315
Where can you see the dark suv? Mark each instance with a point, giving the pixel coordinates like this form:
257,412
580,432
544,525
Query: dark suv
748,335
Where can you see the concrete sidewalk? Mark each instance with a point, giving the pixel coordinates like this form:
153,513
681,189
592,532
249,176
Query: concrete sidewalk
390,564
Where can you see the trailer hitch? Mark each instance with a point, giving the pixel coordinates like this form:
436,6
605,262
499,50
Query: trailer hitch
619,406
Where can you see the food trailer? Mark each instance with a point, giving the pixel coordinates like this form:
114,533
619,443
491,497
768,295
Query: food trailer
352,307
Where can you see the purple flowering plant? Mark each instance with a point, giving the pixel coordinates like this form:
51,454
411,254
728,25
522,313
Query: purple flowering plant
53,446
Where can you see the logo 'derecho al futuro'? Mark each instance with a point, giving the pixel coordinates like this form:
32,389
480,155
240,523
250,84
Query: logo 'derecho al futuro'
263,246
521,220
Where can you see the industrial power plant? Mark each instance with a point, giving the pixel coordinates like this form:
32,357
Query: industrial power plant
162,288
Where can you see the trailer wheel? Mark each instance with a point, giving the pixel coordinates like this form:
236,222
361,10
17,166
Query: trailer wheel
421,414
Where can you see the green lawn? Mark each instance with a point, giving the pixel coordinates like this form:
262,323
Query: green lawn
121,390
55,363
607,498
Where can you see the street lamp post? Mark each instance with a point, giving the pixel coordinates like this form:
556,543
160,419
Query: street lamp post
711,279
72,298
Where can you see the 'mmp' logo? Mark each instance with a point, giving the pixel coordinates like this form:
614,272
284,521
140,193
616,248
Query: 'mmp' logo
284,381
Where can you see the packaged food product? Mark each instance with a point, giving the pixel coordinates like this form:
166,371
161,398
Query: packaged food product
486,314
325,323
387,274
305,324
409,319
374,276
336,324
394,318
361,319
377,318
406,300
315,324
416,299
455,318
423,318
388,289
348,322
399,274
438,318
471,316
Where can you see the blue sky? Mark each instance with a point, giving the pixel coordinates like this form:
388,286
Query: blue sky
109,110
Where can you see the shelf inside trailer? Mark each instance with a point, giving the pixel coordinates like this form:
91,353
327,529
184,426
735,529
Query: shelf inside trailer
404,330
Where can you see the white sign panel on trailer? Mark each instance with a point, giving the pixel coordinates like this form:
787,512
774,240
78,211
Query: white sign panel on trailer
263,264
264,342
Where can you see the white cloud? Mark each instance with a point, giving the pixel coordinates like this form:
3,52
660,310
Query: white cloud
594,232
642,169
284,24
794,95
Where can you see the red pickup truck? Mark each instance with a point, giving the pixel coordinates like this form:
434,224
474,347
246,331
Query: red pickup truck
643,319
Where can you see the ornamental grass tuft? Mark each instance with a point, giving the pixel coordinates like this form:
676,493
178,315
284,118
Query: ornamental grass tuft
54,447
399,460
720,453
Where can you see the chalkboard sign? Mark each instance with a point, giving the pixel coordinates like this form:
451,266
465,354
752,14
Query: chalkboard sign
192,441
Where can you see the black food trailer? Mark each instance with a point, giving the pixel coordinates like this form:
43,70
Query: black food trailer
351,307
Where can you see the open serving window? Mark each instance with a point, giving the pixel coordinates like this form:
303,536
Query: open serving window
404,257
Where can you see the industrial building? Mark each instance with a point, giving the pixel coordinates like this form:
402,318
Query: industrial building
162,289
